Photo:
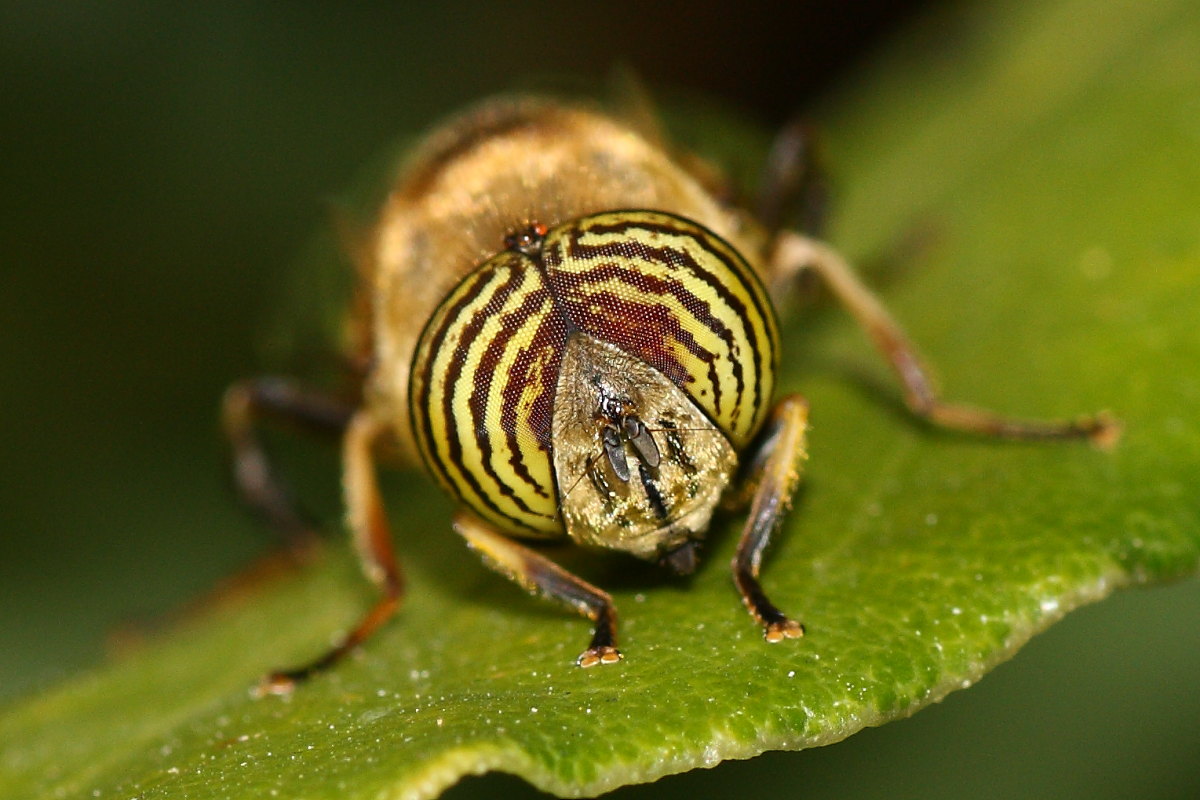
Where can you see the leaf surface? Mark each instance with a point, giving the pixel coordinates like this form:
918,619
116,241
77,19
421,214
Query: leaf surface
1029,205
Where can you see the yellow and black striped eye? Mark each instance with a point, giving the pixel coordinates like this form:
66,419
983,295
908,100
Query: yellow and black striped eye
658,288
677,296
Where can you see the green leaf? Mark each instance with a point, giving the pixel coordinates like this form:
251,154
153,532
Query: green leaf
1046,170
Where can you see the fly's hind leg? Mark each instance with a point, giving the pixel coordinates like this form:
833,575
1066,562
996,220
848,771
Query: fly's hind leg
540,575
793,253
245,404
773,472
793,192
373,541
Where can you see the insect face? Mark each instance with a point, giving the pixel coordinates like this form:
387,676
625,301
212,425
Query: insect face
639,466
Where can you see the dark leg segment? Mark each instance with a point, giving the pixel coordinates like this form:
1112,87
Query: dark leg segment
540,575
794,253
777,471
245,404
792,191
368,524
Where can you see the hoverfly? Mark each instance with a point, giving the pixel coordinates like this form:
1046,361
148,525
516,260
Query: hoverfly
566,327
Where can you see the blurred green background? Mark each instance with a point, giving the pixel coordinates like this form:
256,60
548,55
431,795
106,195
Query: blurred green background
164,163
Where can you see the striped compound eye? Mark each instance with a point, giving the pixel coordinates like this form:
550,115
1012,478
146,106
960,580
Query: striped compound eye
598,378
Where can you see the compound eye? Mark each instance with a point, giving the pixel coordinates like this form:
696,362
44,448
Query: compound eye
676,297
496,338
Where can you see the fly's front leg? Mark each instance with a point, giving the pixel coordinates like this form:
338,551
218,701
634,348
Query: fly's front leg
245,405
373,541
794,253
774,472
540,575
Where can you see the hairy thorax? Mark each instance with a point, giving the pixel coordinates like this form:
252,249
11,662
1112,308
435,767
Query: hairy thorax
500,168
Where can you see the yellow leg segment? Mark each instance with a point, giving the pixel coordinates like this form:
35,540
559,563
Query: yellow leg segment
373,540
793,253
775,473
